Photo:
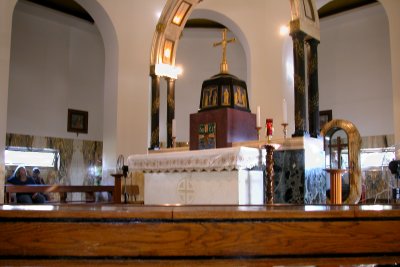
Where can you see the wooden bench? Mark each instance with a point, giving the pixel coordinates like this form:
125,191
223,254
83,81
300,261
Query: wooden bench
62,190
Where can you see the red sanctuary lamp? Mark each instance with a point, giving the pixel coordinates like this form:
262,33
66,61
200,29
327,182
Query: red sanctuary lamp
270,129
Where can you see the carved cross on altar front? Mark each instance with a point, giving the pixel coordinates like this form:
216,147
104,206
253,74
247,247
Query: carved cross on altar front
223,43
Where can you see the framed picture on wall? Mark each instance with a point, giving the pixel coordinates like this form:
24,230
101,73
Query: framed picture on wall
77,121
324,117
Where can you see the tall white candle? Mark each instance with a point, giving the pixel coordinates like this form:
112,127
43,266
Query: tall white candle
173,128
284,109
258,115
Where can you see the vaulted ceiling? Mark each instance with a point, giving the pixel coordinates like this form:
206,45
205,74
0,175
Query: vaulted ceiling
72,8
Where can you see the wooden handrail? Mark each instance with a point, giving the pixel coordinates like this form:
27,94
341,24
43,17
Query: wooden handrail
60,189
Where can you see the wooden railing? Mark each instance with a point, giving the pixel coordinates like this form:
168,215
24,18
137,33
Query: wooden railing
82,235
63,190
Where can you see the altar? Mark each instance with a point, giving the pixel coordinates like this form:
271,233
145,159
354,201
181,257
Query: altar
233,175
225,176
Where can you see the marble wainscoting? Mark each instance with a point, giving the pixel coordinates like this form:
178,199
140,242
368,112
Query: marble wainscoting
80,161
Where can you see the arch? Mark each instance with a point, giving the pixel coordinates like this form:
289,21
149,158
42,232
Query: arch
109,36
6,13
168,31
233,27
166,39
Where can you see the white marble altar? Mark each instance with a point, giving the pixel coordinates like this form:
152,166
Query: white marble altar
214,176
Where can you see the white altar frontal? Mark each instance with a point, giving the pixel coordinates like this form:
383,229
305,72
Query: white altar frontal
214,176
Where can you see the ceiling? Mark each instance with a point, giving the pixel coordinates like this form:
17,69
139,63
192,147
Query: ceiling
339,6
66,6
72,8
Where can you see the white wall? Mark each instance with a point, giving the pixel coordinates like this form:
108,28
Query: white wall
6,8
57,62
355,69
199,60
135,23
392,9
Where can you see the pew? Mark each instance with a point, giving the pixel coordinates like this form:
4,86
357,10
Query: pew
62,190
116,235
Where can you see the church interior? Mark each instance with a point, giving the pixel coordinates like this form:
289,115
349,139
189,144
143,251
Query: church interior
200,132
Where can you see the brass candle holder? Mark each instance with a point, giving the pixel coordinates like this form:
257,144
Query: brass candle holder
285,125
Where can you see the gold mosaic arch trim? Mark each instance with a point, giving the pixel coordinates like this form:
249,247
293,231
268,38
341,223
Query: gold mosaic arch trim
354,141
304,18
168,29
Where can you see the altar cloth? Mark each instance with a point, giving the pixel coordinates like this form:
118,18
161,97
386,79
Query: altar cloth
232,158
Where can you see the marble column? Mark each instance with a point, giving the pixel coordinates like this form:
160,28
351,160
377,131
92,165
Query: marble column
299,84
155,111
313,94
170,108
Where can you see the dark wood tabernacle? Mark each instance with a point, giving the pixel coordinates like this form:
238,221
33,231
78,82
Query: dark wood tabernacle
224,112
231,125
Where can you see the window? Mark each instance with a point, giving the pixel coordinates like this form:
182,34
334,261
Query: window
376,157
32,158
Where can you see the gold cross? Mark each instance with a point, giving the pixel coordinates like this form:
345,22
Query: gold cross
223,43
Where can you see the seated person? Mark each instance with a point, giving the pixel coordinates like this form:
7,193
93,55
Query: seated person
36,177
39,180
20,178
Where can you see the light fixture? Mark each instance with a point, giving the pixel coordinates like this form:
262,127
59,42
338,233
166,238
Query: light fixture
284,30
181,13
167,51
167,70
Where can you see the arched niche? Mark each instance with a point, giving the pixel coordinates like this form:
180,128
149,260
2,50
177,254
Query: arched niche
166,40
108,33
349,135
176,12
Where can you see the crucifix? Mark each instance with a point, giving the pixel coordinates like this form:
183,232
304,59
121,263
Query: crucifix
339,145
223,43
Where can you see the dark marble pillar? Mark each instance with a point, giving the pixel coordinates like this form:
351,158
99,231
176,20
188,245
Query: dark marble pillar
313,94
170,108
155,111
299,84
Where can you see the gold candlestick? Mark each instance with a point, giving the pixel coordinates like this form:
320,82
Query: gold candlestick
258,132
285,125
